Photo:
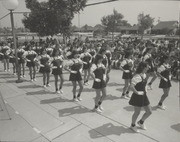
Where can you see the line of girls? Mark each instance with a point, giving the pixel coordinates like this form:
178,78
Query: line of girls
136,80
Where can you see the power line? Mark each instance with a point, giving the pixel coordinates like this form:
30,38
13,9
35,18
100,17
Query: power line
100,2
4,16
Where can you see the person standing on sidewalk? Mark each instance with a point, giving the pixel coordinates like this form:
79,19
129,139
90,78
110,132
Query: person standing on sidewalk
74,66
45,68
164,72
127,66
6,51
31,62
147,57
21,60
139,98
86,58
98,73
57,66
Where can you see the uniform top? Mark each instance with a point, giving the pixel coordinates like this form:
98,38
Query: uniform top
85,57
138,78
163,67
127,62
94,67
147,56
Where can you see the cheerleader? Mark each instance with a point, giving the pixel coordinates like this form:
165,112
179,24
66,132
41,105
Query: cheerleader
165,82
109,57
6,51
12,59
45,68
126,66
21,60
49,51
74,67
57,66
86,58
102,52
147,57
139,98
98,73
31,63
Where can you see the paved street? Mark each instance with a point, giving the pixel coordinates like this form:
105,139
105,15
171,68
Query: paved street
40,115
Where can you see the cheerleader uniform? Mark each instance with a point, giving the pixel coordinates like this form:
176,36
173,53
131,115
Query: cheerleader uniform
1,54
149,60
12,58
57,62
86,57
6,51
92,53
77,65
140,85
45,62
105,61
31,55
20,54
99,72
126,65
49,51
164,70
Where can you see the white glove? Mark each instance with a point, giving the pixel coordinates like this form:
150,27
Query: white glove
41,65
140,93
28,60
165,79
126,71
170,77
104,77
54,67
74,72
97,80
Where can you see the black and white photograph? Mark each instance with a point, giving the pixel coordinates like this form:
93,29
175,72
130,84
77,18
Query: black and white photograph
89,71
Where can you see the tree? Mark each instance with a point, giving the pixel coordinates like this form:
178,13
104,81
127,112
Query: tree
52,17
144,22
112,21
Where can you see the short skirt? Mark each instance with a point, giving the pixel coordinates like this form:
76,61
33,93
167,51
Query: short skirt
75,76
139,100
99,85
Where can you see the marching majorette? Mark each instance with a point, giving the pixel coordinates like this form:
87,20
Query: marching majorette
147,57
31,62
74,66
21,60
6,52
127,67
86,58
164,71
98,73
139,97
57,69
12,59
45,68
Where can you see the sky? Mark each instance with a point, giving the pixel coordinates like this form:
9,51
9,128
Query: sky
164,10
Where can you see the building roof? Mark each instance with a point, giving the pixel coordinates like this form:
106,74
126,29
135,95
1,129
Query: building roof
165,24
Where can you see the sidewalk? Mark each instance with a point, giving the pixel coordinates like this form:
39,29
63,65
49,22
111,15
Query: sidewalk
40,115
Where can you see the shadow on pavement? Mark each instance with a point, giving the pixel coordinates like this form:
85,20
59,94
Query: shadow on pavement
72,110
111,84
129,108
87,90
54,100
154,108
176,127
111,97
120,89
29,86
40,92
108,129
